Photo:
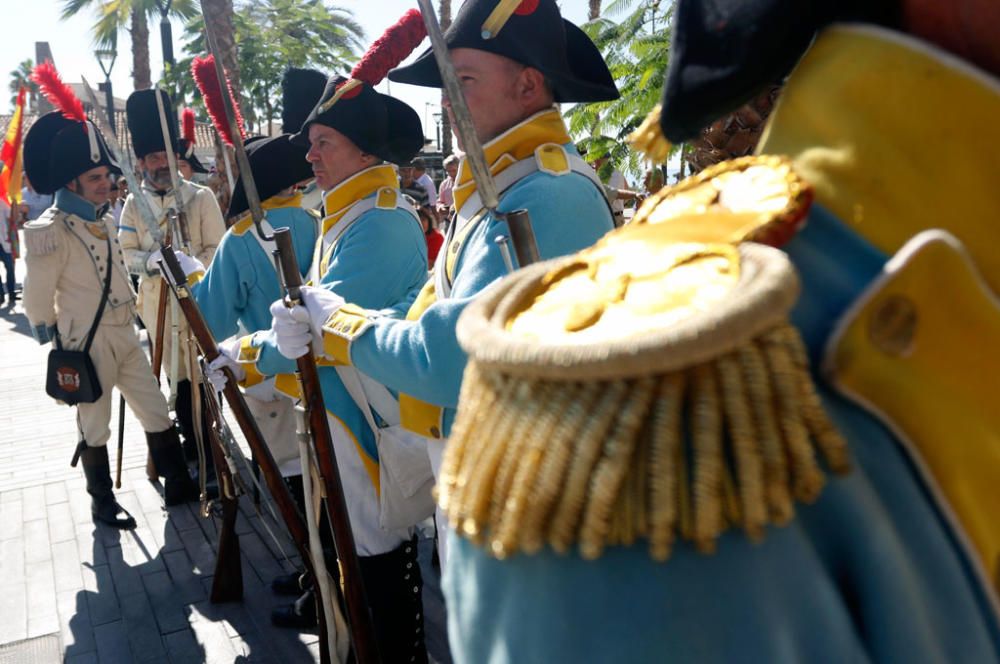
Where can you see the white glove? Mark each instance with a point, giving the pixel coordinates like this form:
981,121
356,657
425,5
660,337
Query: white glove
189,265
228,352
295,328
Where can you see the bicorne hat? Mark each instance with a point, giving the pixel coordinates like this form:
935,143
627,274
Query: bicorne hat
725,52
301,89
144,122
63,144
187,142
532,33
276,164
376,123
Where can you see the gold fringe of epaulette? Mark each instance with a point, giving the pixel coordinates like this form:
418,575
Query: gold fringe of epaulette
729,443
649,139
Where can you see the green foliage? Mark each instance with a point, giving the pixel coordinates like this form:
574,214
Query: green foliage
634,38
113,16
19,77
271,36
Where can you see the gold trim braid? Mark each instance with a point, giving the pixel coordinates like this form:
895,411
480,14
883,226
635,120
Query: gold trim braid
678,452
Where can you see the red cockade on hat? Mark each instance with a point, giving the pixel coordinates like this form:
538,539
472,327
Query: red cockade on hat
203,70
58,93
394,46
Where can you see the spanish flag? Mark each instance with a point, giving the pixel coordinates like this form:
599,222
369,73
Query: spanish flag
10,171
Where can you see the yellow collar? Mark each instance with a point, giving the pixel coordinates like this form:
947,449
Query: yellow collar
278,202
897,137
517,143
339,200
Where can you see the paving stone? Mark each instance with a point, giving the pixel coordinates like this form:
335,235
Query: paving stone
142,630
34,497
43,617
186,582
112,642
61,526
11,518
211,637
75,630
183,647
36,541
170,611
82,658
101,599
127,580
14,609
11,562
66,566
55,492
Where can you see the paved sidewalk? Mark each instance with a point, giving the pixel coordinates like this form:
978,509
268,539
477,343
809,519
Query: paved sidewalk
85,593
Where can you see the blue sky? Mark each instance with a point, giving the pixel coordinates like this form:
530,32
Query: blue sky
26,22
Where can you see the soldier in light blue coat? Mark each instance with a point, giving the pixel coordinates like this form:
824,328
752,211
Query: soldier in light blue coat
370,246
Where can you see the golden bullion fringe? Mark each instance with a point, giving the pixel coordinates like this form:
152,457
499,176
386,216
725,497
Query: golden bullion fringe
731,443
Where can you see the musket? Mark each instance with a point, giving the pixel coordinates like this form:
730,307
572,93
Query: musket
241,412
227,579
168,146
522,237
314,420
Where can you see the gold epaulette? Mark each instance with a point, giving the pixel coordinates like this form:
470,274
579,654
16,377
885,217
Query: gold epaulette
642,389
758,198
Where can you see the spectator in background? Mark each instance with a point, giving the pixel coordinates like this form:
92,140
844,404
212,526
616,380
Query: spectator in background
116,202
616,187
654,181
408,185
37,203
446,196
424,180
433,236
8,231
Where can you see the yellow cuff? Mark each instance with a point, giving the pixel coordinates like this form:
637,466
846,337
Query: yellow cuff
195,277
247,359
340,329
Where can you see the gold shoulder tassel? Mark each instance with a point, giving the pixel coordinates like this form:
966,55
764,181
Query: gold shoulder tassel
649,139
663,434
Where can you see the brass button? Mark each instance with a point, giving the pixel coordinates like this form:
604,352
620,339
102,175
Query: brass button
893,325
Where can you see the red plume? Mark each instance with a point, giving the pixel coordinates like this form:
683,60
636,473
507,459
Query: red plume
203,70
187,125
391,48
57,92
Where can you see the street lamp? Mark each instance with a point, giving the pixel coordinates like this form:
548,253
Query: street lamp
106,58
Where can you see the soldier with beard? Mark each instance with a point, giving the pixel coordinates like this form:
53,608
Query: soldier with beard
205,227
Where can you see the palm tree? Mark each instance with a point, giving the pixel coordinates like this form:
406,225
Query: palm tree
219,16
21,77
114,16
636,49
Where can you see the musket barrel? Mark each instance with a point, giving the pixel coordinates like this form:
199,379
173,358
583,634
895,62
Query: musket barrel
522,237
358,612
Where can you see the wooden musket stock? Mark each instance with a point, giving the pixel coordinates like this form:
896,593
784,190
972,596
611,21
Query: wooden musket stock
358,613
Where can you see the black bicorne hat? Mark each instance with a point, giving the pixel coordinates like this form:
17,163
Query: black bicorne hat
58,149
725,52
276,163
535,35
144,122
186,153
378,124
301,89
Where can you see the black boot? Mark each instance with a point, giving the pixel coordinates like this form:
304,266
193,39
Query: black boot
103,505
300,615
185,418
165,448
